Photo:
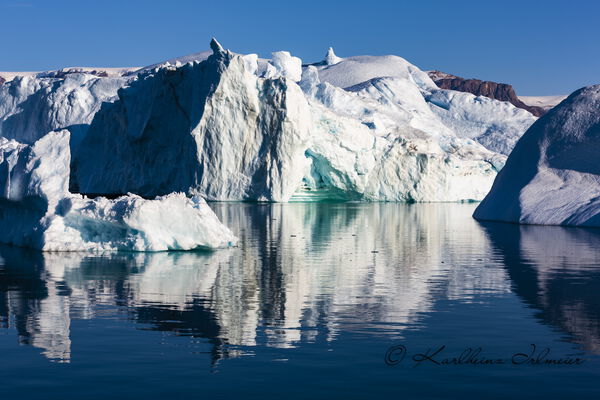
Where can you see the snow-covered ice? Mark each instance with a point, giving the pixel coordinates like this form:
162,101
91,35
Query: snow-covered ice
331,58
37,210
283,64
552,177
380,141
31,106
497,125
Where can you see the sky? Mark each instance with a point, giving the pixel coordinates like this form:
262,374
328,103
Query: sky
540,47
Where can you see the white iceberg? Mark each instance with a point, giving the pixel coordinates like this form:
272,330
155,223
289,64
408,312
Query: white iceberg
217,129
496,125
236,127
380,141
37,210
552,177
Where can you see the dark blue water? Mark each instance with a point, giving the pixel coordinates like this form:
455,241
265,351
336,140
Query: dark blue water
307,307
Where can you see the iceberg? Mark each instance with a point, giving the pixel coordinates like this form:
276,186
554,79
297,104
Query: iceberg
283,64
496,125
552,177
230,127
37,210
225,126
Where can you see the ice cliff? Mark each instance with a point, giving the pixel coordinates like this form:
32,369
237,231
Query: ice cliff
552,177
37,210
212,128
361,128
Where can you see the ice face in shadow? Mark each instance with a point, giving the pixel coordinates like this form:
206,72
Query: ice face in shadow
301,273
37,210
555,270
552,177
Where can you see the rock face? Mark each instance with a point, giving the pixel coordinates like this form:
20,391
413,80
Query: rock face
2,80
552,177
493,90
37,210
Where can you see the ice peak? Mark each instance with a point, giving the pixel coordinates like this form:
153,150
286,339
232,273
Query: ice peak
216,46
331,58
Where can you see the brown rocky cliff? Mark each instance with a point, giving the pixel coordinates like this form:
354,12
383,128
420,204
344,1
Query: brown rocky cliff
493,90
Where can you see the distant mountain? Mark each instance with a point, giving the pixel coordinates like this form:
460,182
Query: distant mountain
545,102
493,90
63,72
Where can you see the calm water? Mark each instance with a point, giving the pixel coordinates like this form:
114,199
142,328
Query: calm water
307,307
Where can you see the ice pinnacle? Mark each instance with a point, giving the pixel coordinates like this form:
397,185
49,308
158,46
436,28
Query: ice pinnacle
216,46
331,58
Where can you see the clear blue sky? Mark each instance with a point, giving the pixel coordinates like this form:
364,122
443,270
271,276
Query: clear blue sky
541,47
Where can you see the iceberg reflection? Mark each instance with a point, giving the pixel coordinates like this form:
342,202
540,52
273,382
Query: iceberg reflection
555,270
301,271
